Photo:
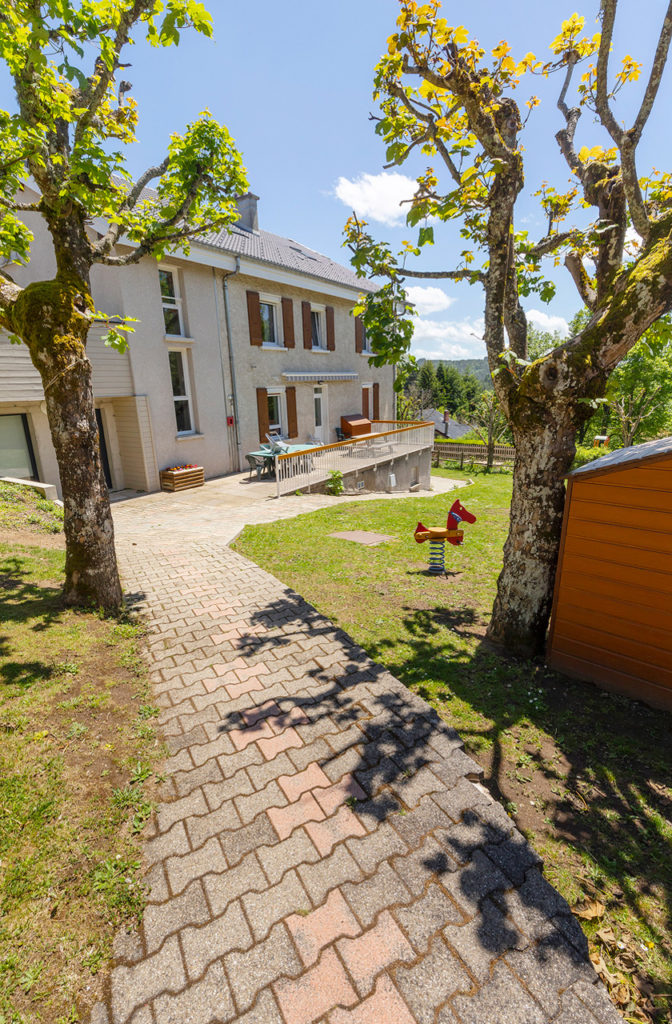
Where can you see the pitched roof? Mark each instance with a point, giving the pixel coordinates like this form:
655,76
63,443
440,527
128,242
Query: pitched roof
284,252
635,453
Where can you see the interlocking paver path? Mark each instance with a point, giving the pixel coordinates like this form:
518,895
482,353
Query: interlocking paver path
324,852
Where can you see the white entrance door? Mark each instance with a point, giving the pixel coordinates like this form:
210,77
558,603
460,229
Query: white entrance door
320,406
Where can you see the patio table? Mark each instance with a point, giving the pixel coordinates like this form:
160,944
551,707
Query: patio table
291,449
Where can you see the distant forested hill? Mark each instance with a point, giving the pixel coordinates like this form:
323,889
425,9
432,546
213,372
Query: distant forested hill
479,368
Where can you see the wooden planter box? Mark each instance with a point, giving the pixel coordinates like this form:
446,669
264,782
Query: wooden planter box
181,479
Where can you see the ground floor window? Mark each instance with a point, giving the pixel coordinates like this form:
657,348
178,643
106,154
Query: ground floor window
16,449
276,412
179,378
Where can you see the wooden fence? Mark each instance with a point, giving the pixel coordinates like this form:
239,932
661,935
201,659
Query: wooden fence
471,452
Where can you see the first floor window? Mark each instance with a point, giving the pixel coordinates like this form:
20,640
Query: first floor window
179,379
269,329
171,302
317,328
16,449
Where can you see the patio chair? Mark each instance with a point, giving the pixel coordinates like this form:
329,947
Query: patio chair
340,436
256,463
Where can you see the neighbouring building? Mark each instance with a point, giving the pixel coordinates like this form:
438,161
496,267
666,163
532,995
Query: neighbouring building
249,333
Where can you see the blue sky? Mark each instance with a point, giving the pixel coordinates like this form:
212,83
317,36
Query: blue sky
293,84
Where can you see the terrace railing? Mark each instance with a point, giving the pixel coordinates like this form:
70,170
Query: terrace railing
388,440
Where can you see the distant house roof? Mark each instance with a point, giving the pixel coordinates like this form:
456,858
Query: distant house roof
635,453
455,429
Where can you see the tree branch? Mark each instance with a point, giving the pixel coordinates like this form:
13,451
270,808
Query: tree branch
9,293
550,244
657,68
109,240
450,275
428,120
565,137
581,279
602,72
94,93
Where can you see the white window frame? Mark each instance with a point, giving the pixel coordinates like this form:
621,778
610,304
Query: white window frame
275,302
280,393
366,343
184,353
174,303
321,312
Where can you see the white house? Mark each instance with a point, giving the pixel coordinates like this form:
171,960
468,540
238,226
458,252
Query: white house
250,332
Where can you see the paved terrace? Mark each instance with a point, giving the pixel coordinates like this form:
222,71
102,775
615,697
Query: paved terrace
324,852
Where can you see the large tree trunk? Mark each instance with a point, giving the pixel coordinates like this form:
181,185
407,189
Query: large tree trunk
525,587
51,317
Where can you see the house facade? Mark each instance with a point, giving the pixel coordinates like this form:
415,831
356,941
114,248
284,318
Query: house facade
249,333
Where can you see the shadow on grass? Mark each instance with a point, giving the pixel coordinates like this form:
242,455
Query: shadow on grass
22,600
362,722
612,759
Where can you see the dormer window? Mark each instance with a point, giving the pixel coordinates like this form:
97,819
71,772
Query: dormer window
171,302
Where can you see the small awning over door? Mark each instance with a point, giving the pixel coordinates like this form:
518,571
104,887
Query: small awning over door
315,376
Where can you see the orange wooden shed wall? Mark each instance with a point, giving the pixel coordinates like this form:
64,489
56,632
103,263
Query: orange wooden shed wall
611,621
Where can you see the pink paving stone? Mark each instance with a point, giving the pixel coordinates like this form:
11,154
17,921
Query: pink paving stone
325,834
272,747
242,737
253,715
229,666
331,798
238,689
319,928
222,638
385,1006
368,955
315,992
294,785
285,819
294,717
252,670
211,684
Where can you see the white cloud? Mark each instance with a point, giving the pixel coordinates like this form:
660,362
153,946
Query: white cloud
377,196
428,299
546,322
445,339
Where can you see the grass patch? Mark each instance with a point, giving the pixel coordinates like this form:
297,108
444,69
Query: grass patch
76,730
23,508
585,774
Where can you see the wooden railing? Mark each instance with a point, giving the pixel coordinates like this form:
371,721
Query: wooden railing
388,439
471,452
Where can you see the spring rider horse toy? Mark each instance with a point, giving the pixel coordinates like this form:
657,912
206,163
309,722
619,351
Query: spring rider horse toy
437,536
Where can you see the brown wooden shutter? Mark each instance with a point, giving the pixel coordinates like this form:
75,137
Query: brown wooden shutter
254,318
365,403
359,335
331,337
288,322
307,325
262,413
376,401
292,422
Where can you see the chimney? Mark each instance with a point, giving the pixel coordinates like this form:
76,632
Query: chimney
247,212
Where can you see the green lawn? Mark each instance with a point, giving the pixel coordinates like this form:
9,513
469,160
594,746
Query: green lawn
586,774
77,753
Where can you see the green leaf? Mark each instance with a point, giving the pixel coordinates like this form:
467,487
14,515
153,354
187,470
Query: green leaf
426,236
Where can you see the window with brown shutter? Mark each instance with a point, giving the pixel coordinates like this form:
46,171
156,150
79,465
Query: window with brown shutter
307,325
262,413
292,421
376,401
288,322
331,337
254,318
359,335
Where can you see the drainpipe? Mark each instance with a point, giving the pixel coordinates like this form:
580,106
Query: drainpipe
232,368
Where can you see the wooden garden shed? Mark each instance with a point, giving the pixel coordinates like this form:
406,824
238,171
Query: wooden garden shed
611,621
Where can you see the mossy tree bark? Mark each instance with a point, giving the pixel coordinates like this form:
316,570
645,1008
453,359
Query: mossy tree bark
53,318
